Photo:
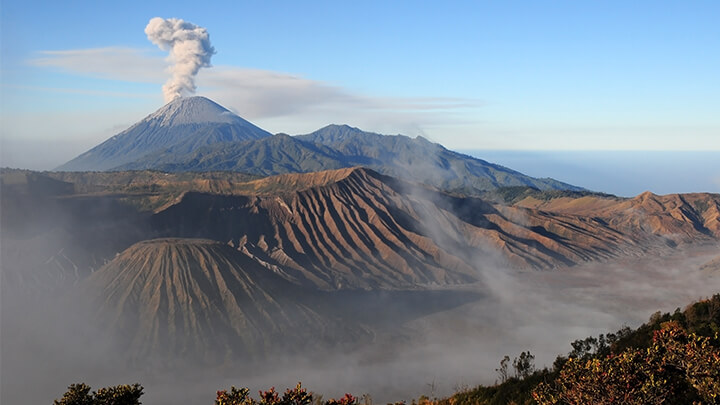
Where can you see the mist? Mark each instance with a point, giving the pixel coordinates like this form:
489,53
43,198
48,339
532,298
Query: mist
434,350
543,312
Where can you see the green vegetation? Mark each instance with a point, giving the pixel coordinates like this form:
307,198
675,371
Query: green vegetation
513,194
513,391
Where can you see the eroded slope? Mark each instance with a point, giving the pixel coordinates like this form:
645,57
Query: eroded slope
202,300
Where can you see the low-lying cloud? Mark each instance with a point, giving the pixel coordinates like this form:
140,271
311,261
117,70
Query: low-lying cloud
540,311
112,63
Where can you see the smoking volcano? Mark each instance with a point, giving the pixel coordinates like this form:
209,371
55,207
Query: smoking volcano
181,126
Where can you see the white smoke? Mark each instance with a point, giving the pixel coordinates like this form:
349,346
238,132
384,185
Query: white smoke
190,50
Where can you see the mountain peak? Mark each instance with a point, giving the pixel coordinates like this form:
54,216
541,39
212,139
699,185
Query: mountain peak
193,110
344,127
179,126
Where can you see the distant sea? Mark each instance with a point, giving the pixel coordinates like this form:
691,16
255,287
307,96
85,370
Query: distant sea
623,173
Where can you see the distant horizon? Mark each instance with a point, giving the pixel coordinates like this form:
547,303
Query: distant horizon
625,173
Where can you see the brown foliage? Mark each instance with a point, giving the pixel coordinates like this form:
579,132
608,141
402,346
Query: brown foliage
676,369
79,394
294,396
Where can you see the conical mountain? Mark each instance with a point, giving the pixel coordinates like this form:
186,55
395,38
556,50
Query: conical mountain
180,126
194,299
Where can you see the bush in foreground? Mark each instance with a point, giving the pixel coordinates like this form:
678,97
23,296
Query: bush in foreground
678,368
295,396
79,394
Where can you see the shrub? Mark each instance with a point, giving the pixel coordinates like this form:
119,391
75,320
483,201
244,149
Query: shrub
294,396
79,394
677,368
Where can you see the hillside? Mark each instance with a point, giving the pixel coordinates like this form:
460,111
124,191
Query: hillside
421,161
682,216
264,157
202,300
52,236
368,230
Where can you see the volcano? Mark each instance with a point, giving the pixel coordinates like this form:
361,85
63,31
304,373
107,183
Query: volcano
179,127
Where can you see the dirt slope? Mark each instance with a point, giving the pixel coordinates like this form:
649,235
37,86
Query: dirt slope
183,297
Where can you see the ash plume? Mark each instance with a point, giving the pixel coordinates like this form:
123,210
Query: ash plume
190,50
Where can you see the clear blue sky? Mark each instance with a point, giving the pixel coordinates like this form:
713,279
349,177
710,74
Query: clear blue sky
528,75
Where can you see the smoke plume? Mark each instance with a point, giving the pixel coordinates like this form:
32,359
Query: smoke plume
190,50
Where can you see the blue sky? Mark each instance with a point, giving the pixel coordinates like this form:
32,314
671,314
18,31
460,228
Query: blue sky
519,75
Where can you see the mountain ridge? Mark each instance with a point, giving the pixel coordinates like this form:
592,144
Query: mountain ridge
406,157
346,228
197,134
356,228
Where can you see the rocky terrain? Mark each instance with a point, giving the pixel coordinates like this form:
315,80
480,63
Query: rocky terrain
343,229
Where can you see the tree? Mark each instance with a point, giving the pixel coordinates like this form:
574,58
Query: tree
294,396
524,365
79,394
346,400
269,397
119,395
234,397
503,370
